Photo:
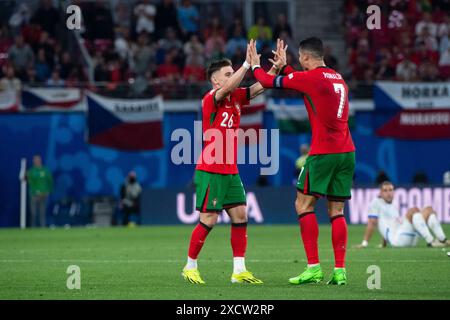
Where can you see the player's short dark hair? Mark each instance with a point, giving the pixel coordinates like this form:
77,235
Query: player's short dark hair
386,183
216,65
314,45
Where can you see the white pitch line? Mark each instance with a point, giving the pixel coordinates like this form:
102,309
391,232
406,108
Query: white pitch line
205,260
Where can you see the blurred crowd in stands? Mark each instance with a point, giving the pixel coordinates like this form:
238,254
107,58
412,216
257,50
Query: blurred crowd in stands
136,42
169,42
413,43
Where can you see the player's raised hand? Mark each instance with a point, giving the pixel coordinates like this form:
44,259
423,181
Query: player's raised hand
247,55
254,56
279,59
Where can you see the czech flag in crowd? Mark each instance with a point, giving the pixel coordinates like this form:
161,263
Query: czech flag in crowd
125,124
52,99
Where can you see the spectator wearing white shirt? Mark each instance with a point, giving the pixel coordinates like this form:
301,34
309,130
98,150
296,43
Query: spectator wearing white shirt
55,81
429,40
444,27
444,64
10,81
426,22
145,13
406,70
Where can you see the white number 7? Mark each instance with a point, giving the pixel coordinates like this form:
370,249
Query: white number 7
339,88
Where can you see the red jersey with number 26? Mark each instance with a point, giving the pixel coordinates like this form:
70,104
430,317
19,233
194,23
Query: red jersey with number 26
326,100
223,118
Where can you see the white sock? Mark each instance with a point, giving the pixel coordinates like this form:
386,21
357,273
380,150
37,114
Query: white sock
421,227
313,265
239,265
436,227
191,263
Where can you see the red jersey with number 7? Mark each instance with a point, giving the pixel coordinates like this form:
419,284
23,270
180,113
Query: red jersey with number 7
326,100
220,121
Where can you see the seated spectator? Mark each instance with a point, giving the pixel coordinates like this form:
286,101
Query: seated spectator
170,41
428,71
30,76
66,65
5,43
354,22
20,54
194,70
235,42
214,28
384,70
122,44
443,29
260,32
145,13
406,70
55,80
444,65
116,71
422,53
45,44
122,18
42,67
237,23
10,81
20,18
237,57
166,17
426,22
143,55
445,44
281,25
425,37
292,46
169,71
189,18
194,48
215,46
47,17
101,73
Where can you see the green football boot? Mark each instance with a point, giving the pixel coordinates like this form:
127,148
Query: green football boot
310,275
339,277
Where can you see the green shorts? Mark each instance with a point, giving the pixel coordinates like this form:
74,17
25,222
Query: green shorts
215,191
328,175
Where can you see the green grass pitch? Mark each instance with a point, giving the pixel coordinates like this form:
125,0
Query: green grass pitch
146,262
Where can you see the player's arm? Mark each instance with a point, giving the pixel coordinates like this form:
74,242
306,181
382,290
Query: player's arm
234,81
279,63
286,69
297,80
257,88
371,226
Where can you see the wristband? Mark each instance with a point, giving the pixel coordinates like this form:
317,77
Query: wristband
365,243
255,66
246,65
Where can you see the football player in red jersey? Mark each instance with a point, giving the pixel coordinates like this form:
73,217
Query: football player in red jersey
329,168
217,180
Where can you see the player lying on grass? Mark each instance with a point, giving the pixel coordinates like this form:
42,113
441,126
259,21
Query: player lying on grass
402,232
217,180
328,170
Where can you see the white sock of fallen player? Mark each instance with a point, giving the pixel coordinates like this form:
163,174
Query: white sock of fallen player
421,227
436,227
